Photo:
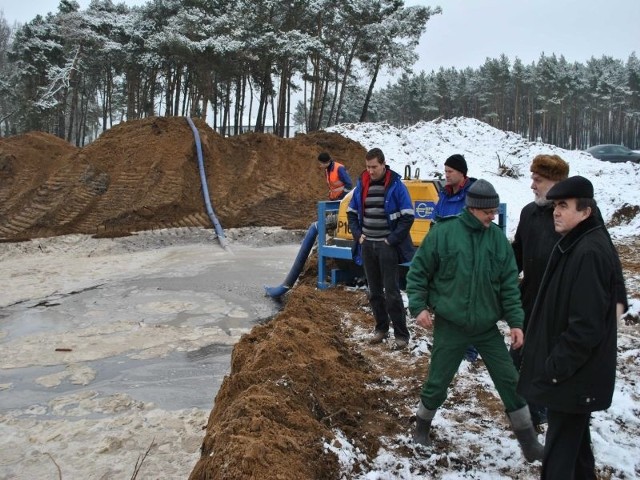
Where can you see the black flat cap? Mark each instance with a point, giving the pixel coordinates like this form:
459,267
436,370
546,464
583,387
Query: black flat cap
572,187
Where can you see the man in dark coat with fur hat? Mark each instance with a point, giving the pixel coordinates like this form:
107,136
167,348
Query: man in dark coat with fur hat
535,235
534,240
569,354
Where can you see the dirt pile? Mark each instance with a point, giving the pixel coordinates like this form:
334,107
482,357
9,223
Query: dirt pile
308,380
285,393
297,381
143,175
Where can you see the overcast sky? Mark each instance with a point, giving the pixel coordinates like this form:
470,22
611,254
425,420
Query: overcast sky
469,31
24,10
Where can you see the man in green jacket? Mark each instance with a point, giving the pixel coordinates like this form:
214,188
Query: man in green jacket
463,279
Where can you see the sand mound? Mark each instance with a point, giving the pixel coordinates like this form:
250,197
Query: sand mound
295,383
294,380
143,175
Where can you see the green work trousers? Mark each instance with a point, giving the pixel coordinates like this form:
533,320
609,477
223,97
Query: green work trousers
449,345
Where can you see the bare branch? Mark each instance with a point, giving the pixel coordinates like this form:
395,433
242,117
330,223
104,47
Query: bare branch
140,461
57,466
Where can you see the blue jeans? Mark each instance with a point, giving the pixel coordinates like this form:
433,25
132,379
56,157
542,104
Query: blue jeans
471,354
380,262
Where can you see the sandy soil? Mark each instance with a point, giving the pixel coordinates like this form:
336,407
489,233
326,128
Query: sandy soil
294,381
143,175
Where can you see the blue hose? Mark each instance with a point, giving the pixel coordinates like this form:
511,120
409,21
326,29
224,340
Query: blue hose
298,264
205,190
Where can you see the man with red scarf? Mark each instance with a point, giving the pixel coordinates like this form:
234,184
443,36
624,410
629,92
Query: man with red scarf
380,216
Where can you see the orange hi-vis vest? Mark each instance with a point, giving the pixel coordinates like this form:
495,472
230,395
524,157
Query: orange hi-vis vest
336,186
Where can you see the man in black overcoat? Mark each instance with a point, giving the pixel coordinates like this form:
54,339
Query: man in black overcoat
569,354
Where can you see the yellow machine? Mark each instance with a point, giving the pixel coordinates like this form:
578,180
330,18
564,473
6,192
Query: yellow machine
423,193
334,237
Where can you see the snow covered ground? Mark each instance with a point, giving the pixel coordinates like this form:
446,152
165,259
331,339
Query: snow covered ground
488,151
425,146
472,438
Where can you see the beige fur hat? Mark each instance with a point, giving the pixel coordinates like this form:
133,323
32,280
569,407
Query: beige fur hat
550,166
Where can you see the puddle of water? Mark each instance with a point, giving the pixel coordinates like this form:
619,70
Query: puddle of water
162,336
180,380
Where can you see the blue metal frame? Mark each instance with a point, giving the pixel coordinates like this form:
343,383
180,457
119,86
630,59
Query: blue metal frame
502,217
327,251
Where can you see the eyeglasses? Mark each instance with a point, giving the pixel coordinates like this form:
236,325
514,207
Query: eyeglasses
489,211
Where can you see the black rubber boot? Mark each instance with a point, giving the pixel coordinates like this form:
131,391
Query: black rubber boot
527,437
424,416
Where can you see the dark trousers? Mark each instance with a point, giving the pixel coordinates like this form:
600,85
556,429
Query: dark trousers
567,448
380,262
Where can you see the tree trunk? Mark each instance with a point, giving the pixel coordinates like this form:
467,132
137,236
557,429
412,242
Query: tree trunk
227,108
263,103
250,102
281,115
345,78
177,89
168,97
372,84
316,95
132,85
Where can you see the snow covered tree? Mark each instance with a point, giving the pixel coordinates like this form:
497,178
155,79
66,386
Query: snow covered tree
392,35
37,53
8,100
631,130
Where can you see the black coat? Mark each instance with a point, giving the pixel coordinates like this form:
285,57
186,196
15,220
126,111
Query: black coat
569,355
532,244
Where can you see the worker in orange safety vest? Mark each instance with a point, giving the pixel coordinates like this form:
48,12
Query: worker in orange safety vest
337,177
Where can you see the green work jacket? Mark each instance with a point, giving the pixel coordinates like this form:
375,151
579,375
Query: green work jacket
466,274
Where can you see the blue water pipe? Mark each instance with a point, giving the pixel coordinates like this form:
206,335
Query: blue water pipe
298,264
205,189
